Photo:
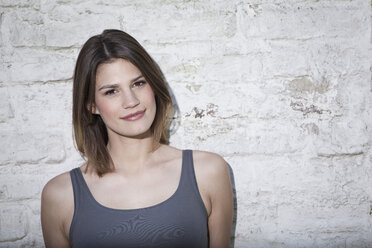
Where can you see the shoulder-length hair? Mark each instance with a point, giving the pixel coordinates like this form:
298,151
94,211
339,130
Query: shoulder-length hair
90,132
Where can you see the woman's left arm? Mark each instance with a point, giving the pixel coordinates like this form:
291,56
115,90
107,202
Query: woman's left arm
213,178
221,198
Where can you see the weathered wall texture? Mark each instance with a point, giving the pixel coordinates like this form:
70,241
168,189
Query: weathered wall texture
281,89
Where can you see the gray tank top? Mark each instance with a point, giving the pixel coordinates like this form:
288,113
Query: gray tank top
179,221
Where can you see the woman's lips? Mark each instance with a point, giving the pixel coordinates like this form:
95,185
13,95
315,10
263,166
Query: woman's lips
134,116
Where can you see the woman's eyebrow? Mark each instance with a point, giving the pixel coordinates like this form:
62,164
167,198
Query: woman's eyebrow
116,85
108,86
136,78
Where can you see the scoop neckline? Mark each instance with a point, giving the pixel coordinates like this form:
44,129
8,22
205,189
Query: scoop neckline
134,209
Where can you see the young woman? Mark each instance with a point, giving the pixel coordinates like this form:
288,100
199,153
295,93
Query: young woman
134,190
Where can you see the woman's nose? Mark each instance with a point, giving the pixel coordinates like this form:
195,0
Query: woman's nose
130,99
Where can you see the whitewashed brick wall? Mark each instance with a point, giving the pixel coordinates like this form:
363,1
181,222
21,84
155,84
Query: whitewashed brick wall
281,89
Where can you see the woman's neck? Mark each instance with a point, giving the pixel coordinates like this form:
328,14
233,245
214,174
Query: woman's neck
130,154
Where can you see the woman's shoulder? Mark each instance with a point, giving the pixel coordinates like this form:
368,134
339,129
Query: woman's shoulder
212,176
57,207
57,189
210,170
209,161
206,164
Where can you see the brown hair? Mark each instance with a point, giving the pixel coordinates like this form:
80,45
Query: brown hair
89,129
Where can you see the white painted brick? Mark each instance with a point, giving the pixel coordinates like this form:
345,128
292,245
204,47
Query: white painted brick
40,65
350,99
4,77
13,222
20,3
42,106
342,135
14,188
303,20
31,147
270,138
6,109
283,208
23,28
205,20
58,34
232,68
280,88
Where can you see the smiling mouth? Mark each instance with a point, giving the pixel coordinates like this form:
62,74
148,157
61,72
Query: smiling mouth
135,116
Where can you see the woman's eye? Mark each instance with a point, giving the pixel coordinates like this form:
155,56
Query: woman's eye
110,92
139,83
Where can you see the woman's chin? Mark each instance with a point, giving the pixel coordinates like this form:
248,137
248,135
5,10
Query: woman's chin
135,134
142,135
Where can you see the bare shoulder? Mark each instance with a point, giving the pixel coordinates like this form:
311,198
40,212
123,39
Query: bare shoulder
210,163
58,188
215,185
213,178
57,197
57,206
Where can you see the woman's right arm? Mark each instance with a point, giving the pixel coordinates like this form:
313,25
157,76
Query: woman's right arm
56,207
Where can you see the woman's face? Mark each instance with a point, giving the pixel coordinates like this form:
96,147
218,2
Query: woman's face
123,99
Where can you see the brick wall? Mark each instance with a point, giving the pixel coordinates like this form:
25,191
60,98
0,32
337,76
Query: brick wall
281,89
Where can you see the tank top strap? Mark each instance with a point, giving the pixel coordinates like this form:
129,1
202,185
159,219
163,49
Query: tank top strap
80,195
80,188
189,179
76,186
